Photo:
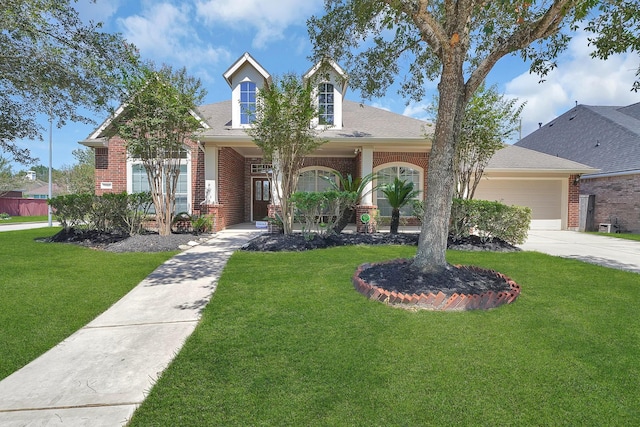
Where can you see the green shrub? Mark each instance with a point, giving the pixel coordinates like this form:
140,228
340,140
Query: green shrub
319,212
489,220
119,213
72,210
5,215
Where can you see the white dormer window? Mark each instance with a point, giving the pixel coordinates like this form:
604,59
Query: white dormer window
247,102
325,104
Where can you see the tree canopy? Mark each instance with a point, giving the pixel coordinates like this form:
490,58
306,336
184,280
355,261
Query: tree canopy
282,130
489,121
54,64
156,121
457,43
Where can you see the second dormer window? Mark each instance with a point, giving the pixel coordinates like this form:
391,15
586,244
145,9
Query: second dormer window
325,104
247,102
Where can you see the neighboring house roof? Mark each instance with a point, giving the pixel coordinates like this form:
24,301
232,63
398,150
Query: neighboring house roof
605,137
518,159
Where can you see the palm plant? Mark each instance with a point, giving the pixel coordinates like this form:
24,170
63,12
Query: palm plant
351,185
398,193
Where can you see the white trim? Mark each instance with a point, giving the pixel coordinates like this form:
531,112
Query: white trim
611,174
316,168
240,62
187,161
413,166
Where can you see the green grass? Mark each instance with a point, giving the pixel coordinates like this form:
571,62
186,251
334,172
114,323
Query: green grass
628,236
286,340
19,219
50,290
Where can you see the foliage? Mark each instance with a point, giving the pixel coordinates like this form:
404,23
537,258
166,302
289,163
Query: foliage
72,209
5,216
48,291
298,346
457,44
489,120
359,186
184,222
321,211
489,220
119,213
9,181
157,121
282,130
398,193
80,177
52,63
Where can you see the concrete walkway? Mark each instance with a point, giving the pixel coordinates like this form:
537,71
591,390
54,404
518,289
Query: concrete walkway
101,373
610,252
26,225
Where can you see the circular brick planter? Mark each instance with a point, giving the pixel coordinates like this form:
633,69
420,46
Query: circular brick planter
439,301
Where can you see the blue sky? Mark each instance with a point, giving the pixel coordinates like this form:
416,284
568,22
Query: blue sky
207,36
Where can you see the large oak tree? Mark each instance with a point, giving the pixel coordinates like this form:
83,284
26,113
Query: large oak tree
52,63
457,43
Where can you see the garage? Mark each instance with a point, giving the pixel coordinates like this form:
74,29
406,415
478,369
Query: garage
543,196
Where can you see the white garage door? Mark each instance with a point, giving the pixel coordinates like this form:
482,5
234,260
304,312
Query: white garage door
544,197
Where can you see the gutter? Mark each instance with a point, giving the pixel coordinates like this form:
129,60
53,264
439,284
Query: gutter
610,174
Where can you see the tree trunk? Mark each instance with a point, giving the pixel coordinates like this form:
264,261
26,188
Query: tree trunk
395,221
345,217
432,246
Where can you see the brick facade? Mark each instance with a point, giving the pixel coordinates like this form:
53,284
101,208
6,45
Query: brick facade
617,200
111,167
573,220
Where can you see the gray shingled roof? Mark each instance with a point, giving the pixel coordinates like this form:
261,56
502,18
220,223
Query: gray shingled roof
511,158
607,138
359,121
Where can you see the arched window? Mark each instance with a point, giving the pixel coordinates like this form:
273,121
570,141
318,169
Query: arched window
311,179
247,102
325,104
386,176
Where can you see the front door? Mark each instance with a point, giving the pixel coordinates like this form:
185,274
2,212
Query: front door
261,198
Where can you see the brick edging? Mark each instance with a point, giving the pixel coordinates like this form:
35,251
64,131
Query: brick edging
439,301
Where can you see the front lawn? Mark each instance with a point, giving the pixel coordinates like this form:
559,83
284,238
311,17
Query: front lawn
286,340
628,236
50,290
19,219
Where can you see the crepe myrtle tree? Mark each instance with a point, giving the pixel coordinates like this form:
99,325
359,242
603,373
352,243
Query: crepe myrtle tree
53,63
157,119
281,128
489,120
457,43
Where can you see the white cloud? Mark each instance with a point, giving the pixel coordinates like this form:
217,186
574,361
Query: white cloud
164,32
269,21
98,11
578,78
418,111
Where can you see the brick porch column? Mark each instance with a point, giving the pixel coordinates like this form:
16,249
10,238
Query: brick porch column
217,211
371,227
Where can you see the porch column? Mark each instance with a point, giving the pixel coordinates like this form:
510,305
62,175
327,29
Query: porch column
366,167
366,209
211,176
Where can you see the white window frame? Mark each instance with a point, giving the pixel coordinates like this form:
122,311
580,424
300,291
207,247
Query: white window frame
187,161
413,166
318,168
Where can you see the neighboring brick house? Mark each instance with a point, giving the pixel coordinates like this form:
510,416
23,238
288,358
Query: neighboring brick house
224,172
606,138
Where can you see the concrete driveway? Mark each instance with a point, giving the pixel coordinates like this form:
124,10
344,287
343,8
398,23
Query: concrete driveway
602,250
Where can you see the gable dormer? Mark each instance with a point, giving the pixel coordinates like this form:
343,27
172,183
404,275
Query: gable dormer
330,86
245,77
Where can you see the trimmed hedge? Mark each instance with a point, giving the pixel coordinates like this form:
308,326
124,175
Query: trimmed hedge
110,213
486,219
